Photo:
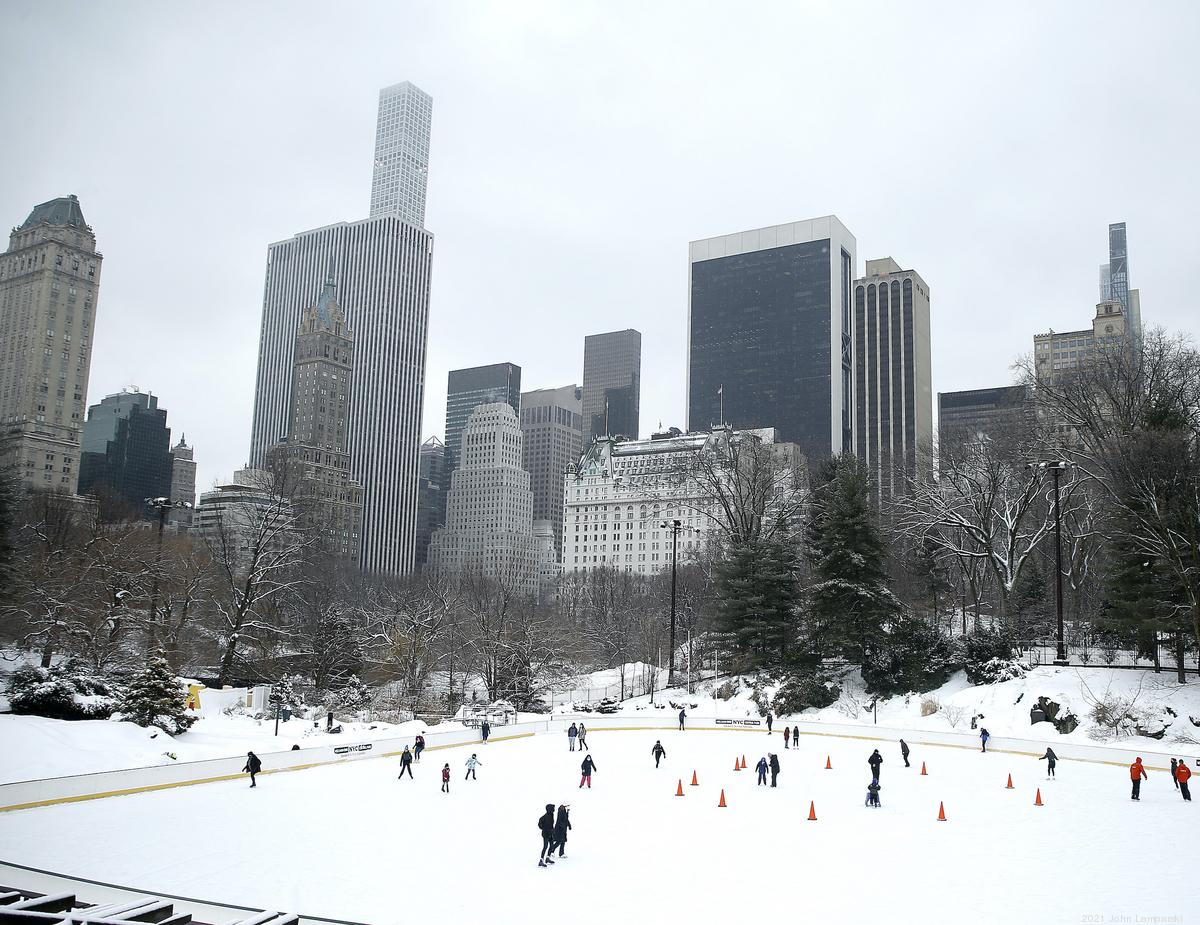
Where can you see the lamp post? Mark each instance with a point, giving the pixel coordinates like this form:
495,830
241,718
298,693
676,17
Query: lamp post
1056,469
162,505
675,526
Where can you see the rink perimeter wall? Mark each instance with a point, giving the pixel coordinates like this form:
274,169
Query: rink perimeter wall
55,790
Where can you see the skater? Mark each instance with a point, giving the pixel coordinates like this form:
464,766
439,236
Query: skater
984,735
253,766
587,767
583,737
873,793
418,747
472,763
1175,771
904,753
787,735
770,721
774,768
761,768
876,762
446,778
682,717
658,752
561,826
1136,774
1182,776
485,730
1051,760
546,825
406,759
572,735
795,737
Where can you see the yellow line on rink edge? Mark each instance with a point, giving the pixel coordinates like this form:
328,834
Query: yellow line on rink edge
79,798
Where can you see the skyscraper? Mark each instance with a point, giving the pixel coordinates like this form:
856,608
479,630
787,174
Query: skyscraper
402,153
489,510
431,494
49,286
893,382
382,267
467,389
127,452
183,473
612,384
770,331
552,428
1114,280
327,498
981,414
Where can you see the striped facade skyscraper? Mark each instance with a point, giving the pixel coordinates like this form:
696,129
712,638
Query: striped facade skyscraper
381,267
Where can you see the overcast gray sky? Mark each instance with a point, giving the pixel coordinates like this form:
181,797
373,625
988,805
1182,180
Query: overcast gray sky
578,147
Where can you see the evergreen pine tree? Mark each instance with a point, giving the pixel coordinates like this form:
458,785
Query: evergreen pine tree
849,602
756,603
155,697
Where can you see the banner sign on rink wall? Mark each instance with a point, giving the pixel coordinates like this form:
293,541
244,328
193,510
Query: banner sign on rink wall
347,749
737,722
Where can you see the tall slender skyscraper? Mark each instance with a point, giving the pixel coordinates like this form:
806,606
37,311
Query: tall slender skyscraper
612,384
552,427
402,153
770,334
1114,280
49,286
382,267
894,392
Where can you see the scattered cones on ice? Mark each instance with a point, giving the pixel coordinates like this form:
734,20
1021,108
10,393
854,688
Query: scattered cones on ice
695,782
812,811
679,789
721,804
1038,800
1009,785
941,811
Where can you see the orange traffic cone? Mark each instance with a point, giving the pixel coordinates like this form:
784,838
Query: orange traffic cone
679,789
695,783
743,762
721,804
828,766
941,811
736,765
812,811
923,774
1038,800
1009,785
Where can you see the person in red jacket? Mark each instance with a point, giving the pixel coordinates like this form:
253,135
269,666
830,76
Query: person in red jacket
1182,773
1136,774
445,778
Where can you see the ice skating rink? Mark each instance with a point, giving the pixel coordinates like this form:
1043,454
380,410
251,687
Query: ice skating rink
352,842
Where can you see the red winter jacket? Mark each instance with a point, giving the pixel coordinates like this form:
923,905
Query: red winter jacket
445,773
1182,773
1136,770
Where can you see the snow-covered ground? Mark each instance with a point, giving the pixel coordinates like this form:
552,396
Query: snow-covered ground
353,842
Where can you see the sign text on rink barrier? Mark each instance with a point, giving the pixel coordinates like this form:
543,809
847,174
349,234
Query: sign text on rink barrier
347,749
739,722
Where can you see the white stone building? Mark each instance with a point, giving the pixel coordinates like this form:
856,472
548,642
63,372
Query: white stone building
489,508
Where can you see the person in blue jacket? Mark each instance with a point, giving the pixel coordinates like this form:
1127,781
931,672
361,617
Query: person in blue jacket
984,735
761,768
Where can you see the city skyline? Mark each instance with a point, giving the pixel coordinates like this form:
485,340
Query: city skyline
305,162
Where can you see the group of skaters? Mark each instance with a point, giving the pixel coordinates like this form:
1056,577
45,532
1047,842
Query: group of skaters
791,735
554,831
1180,774
577,736
410,755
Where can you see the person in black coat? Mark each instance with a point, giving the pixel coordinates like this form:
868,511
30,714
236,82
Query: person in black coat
485,730
253,766
561,826
774,768
875,761
682,717
406,759
904,753
1051,760
658,752
1174,770
770,722
587,767
546,825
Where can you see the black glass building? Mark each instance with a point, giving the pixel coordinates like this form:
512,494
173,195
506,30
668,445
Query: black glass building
770,334
612,384
127,452
466,390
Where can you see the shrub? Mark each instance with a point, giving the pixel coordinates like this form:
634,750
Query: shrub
800,693
911,656
981,648
929,706
61,692
996,670
155,697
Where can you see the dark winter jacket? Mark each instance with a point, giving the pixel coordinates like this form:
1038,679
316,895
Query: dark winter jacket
572,732
588,765
1174,768
795,733
774,764
406,757
984,734
761,767
1050,757
253,764
875,761
658,751
419,743
903,748
546,823
561,825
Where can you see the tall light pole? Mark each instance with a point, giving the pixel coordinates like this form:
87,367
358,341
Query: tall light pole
162,505
676,527
1056,469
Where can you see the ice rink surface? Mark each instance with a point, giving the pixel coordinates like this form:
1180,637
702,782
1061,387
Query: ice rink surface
353,842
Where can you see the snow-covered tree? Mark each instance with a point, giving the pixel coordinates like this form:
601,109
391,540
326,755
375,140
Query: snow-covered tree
154,696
